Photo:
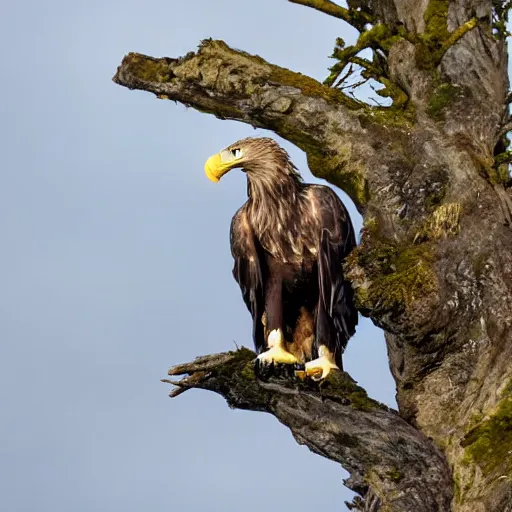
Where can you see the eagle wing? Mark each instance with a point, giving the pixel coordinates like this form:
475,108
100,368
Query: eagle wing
337,315
249,272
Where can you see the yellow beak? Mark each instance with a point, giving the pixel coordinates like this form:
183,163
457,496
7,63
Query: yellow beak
215,169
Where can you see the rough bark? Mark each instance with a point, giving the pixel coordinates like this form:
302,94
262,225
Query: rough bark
430,176
336,420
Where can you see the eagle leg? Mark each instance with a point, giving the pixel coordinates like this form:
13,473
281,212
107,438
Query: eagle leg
319,368
270,362
277,352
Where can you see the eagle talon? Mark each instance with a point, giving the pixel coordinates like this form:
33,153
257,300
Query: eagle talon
320,368
263,370
275,361
276,355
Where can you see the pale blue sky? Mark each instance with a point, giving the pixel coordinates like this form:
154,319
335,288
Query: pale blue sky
115,264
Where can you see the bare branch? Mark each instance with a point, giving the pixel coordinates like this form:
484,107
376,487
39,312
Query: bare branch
346,75
355,18
389,460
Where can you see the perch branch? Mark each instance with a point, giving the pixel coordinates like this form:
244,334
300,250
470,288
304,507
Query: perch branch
388,459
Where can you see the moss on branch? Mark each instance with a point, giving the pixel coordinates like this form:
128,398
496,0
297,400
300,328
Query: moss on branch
311,87
388,276
241,76
379,37
232,374
338,420
148,69
436,40
435,18
375,37
343,171
489,443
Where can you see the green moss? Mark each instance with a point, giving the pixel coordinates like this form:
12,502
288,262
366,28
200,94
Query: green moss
442,97
370,224
343,173
242,358
499,173
489,443
397,276
436,39
429,44
457,488
388,117
380,36
248,371
340,387
412,278
434,198
148,69
435,18
393,91
503,158
310,87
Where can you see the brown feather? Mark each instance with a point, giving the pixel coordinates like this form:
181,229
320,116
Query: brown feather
297,234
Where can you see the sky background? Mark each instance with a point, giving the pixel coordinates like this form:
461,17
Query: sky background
115,265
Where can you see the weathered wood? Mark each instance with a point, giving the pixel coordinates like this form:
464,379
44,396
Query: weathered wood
338,421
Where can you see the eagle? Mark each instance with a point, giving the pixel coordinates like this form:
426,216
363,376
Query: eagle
289,241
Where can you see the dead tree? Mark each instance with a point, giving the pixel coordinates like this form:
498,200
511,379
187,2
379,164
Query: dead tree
429,173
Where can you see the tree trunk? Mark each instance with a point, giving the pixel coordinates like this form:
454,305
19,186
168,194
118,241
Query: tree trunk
434,267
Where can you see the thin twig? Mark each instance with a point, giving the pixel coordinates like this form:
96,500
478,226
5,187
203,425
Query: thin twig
354,86
346,75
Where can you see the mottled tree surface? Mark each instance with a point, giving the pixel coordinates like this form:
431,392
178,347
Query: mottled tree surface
429,173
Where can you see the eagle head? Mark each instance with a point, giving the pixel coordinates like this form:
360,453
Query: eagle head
256,156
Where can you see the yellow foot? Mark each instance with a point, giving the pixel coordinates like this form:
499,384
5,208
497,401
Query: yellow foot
277,354
318,369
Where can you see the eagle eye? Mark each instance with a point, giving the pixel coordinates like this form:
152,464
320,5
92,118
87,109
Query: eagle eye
237,153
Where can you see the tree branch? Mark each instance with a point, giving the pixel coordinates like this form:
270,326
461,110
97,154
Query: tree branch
232,84
453,38
355,18
390,462
367,39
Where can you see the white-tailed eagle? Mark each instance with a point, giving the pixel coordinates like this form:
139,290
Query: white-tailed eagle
289,242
